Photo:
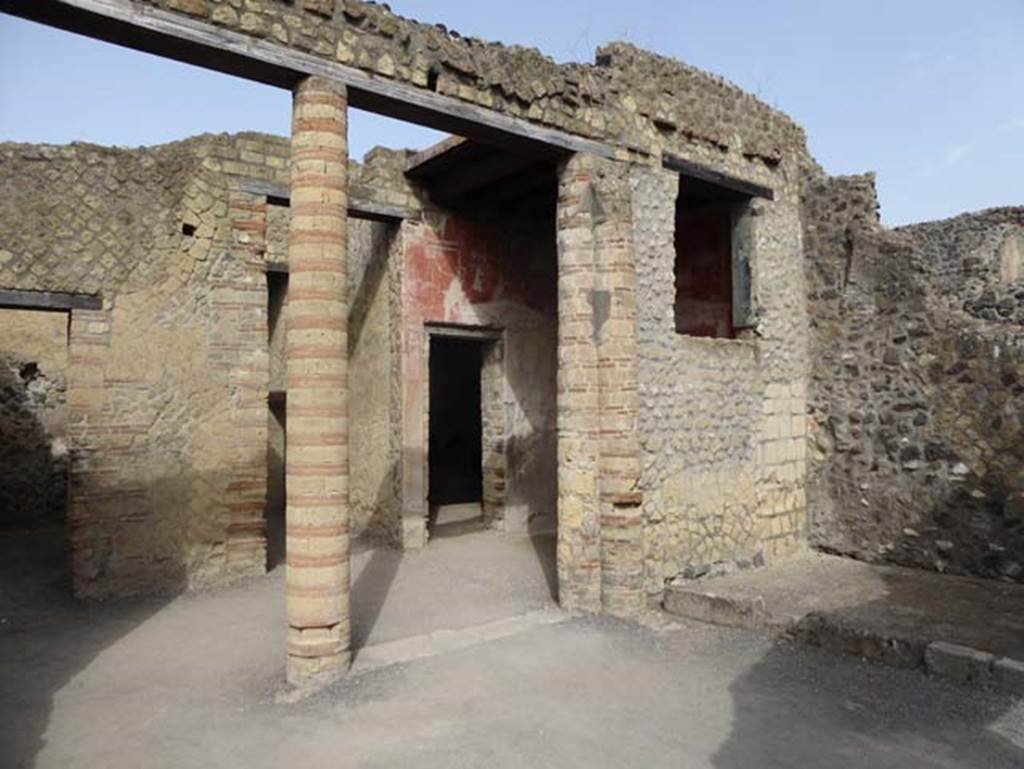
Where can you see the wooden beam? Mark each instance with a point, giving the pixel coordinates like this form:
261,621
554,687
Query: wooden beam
49,300
358,208
420,163
177,36
466,178
266,189
732,184
459,331
539,182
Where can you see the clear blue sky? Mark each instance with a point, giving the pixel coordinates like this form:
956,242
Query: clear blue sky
928,93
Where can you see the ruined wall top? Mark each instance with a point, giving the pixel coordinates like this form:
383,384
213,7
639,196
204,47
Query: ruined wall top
629,98
88,219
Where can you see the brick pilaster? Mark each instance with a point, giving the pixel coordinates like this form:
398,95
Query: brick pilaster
238,346
621,512
93,468
317,352
579,526
600,543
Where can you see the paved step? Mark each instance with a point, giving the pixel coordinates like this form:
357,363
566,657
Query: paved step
964,629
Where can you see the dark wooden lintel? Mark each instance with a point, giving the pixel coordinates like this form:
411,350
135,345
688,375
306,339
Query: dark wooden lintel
49,300
731,184
537,184
266,189
358,208
464,180
460,331
423,162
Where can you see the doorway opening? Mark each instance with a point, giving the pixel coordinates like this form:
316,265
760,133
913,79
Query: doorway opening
455,441
34,460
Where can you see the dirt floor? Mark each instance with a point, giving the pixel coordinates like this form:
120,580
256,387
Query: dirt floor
495,676
888,601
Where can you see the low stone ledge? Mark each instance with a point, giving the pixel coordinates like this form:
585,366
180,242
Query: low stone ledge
1008,675
692,602
835,635
703,601
959,663
716,609
965,665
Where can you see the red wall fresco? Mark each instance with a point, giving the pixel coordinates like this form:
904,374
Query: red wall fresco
449,272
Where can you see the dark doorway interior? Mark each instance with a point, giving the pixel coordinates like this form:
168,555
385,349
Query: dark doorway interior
704,270
274,513
455,445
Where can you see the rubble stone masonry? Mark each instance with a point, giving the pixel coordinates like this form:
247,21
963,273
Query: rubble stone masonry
604,101
918,392
176,246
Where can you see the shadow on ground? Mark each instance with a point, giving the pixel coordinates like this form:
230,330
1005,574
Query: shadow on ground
545,547
47,637
772,705
370,592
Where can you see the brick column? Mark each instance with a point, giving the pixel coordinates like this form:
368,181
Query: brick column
317,431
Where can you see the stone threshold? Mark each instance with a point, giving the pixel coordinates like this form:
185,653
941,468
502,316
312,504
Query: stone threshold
446,641
962,629
438,642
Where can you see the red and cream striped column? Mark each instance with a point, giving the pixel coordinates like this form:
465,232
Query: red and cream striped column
317,431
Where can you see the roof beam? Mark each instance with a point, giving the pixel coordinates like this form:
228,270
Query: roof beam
740,187
462,179
358,208
422,162
49,300
539,182
176,36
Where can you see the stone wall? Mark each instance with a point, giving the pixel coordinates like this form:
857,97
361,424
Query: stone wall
167,382
374,459
605,101
33,413
918,395
722,422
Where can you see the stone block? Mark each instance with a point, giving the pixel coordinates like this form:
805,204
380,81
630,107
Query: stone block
692,602
1008,675
959,663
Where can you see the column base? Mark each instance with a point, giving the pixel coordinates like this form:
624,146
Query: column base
310,674
414,532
